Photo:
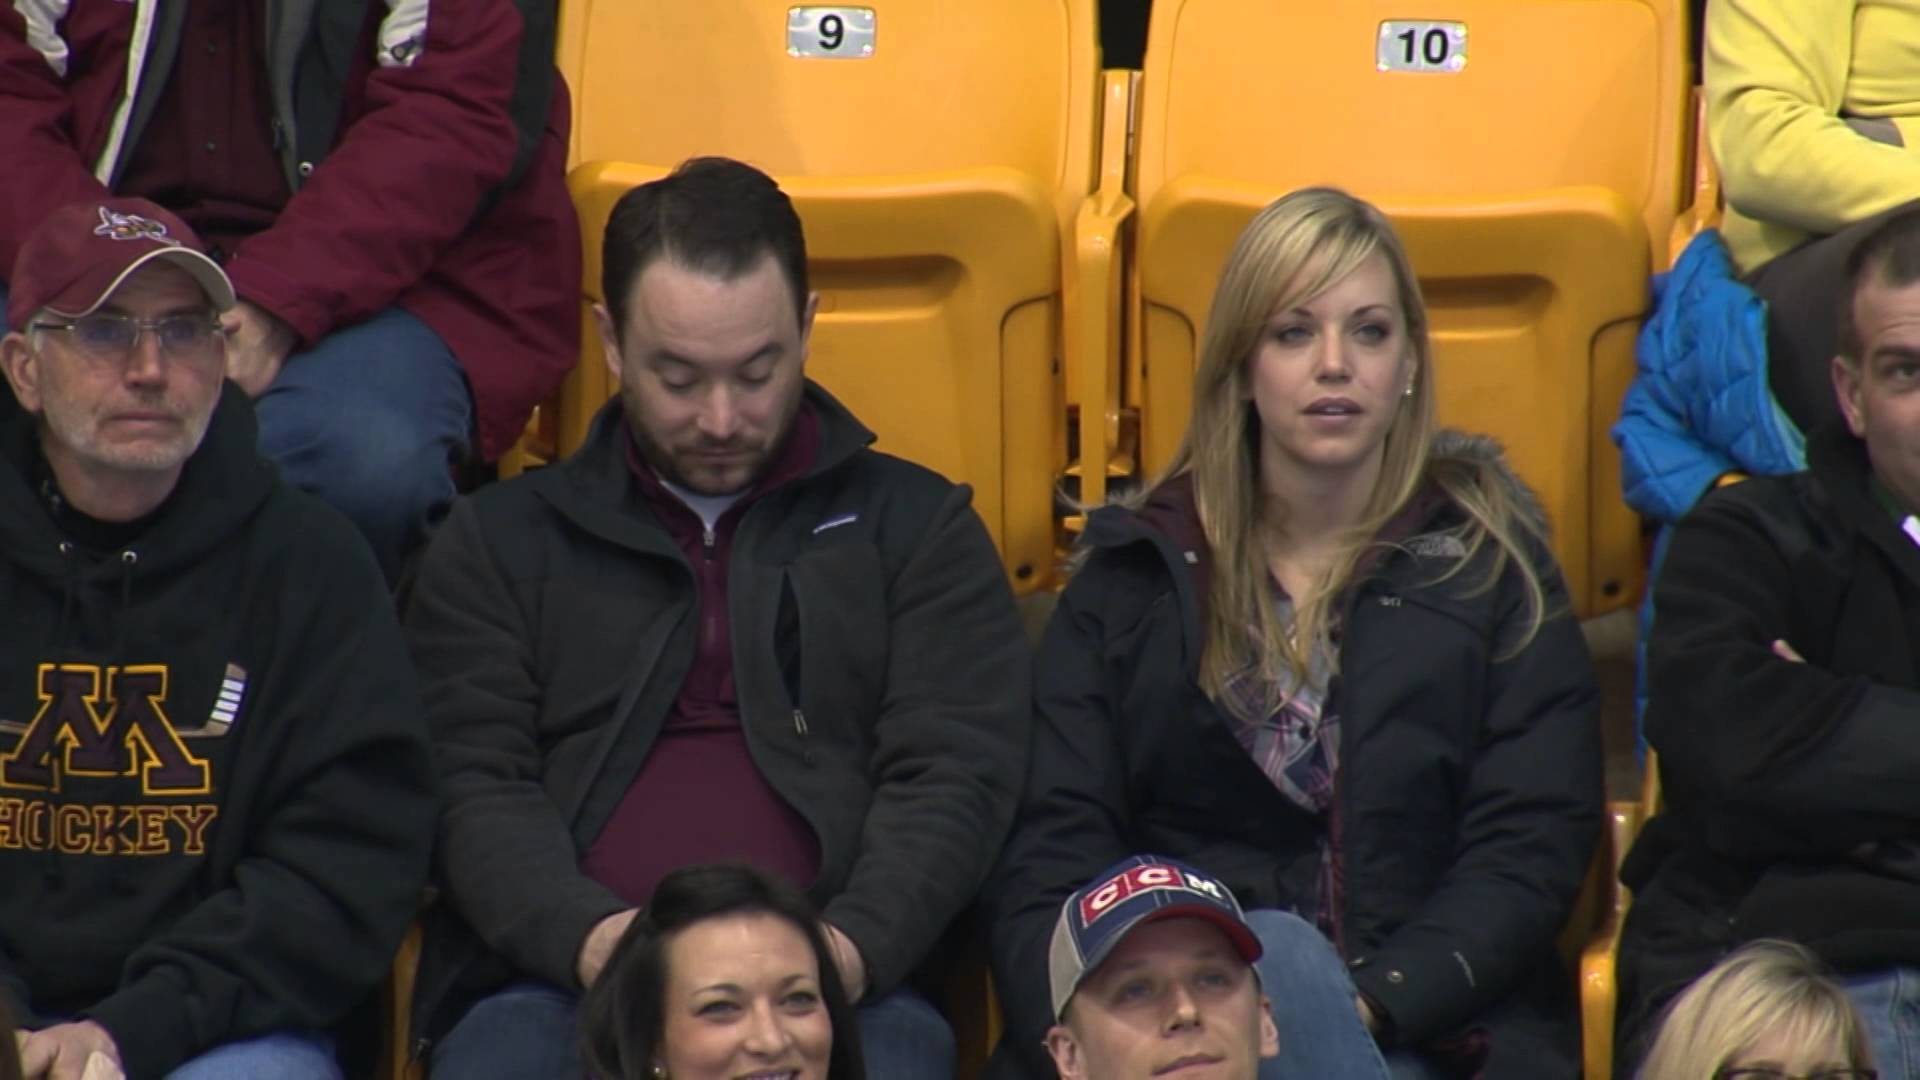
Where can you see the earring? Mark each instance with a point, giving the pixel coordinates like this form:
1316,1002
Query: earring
659,1071
1408,392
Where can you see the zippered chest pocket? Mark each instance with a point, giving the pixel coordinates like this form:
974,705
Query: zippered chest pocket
835,662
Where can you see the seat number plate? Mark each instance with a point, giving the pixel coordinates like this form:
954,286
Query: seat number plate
830,33
1423,46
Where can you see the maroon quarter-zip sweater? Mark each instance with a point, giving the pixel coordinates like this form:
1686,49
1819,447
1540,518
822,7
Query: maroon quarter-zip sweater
698,797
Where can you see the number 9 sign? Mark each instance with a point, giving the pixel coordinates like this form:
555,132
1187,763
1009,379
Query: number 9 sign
830,33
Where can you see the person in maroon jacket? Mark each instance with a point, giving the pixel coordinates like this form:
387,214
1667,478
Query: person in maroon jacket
384,184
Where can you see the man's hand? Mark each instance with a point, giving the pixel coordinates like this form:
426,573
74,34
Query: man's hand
257,344
77,1051
846,957
598,948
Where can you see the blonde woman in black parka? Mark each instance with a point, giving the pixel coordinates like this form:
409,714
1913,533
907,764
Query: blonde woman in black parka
1328,659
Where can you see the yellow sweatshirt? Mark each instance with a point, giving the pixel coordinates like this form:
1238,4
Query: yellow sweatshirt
1781,76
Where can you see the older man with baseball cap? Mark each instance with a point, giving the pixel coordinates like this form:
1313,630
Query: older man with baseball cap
215,807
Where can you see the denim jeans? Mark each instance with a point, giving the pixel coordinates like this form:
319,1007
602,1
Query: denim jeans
1321,1034
528,1029
275,1056
372,419
532,1029
903,1035
1889,1005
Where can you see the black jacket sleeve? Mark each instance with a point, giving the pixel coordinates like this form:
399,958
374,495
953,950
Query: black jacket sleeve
336,853
950,746
1776,755
1073,823
1532,813
506,855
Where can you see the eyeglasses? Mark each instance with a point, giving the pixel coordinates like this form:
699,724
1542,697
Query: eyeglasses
1771,1073
106,336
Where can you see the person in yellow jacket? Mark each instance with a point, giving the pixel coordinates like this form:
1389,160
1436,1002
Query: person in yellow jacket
1813,113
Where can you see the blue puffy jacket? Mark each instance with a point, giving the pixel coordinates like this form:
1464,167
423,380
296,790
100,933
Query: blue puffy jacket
1700,406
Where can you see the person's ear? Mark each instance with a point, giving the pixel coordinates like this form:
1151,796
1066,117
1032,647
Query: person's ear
1849,388
1065,1049
22,367
1269,1033
609,340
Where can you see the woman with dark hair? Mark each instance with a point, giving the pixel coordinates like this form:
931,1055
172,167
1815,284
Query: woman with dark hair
724,972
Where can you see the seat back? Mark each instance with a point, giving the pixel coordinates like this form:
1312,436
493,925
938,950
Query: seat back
1529,174
936,163
945,88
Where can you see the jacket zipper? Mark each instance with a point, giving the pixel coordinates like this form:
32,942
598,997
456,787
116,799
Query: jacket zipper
799,715
1341,905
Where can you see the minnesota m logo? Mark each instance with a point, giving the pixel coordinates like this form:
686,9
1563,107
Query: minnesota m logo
70,736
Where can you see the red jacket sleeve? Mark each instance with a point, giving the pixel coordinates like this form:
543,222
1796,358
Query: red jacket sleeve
44,169
410,172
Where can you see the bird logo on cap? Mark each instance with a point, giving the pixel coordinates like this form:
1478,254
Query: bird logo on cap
118,226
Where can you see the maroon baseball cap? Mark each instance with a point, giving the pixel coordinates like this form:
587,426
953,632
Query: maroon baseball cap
74,260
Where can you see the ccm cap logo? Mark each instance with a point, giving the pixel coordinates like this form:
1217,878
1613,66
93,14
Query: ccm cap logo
1142,879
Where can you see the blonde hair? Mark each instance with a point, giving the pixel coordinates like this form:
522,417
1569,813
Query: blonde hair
1766,987
1294,250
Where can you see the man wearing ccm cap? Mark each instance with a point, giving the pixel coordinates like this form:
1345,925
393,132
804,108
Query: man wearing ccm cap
1156,971
1152,975
215,809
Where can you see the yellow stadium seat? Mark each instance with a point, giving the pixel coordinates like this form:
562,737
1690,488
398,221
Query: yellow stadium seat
1531,177
396,1007
971,1007
1708,205
539,443
943,179
1599,986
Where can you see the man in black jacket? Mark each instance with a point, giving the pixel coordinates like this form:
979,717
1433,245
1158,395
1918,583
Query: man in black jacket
215,790
726,629
1785,695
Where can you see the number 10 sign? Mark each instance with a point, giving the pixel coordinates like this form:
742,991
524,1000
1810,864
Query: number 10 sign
1416,45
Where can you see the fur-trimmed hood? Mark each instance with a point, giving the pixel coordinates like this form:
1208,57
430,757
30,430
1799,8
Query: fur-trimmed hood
1484,454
